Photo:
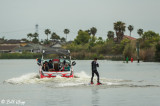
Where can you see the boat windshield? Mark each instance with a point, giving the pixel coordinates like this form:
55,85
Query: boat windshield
62,60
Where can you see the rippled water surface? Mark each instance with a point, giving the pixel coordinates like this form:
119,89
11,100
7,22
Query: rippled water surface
124,84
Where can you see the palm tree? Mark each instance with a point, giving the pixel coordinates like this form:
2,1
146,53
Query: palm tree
63,39
47,32
93,31
35,40
35,35
66,31
130,28
30,35
55,36
110,35
119,27
140,32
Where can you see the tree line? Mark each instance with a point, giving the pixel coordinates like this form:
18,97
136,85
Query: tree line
53,36
87,46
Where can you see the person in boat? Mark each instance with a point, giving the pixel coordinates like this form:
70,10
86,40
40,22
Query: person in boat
38,61
62,66
64,62
50,64
94,66
67,68
45,66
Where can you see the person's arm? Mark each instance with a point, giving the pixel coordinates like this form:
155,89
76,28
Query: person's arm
97,64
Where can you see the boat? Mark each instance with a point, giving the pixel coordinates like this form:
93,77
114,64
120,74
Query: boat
61,66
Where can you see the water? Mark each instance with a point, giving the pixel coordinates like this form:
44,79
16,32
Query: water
124,84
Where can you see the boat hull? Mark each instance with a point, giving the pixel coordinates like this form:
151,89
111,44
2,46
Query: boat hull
53,74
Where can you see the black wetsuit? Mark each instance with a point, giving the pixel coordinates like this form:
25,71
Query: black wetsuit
94,70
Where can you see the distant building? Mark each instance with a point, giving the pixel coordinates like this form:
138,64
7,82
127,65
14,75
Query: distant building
33,48
7,48
1,40
56,45
129,37
15,41
125,37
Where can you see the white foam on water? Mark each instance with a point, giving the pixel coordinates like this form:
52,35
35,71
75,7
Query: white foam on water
81,74
27,78
69,84
80,79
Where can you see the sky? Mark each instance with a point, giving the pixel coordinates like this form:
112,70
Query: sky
19,17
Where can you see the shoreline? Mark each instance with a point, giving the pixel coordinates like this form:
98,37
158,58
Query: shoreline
74,57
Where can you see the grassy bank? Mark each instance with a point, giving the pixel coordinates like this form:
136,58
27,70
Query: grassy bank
20,55
75,55
26,56
91,56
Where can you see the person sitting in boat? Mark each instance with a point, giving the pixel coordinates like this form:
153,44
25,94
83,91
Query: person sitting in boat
38,61
45,67
50,64
64,62
67,68
62,65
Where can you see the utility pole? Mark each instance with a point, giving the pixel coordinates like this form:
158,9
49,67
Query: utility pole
137,44
40,49
36,26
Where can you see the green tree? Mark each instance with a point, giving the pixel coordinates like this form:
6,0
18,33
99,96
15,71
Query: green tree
35,40
47,32
157,53
129,50
30,35
140,32
130,28
82,37
110,35
63,39
88,31
122,45
150,35
66,31
119,27
93,31
92,41
100,41
55,36
35,35
24,39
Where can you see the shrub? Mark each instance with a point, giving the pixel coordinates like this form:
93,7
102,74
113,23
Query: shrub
147,54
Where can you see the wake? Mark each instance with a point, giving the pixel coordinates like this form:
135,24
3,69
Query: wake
80,80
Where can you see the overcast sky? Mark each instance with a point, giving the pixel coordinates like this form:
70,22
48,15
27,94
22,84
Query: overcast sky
19,17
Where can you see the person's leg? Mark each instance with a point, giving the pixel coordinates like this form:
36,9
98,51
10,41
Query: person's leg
97,76
92,76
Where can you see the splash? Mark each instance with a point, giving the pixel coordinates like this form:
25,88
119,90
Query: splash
80,79
24,79
82,74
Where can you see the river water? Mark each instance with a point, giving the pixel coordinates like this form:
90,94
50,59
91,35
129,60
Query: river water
124,84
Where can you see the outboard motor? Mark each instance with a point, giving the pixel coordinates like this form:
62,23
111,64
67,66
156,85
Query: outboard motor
73,63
